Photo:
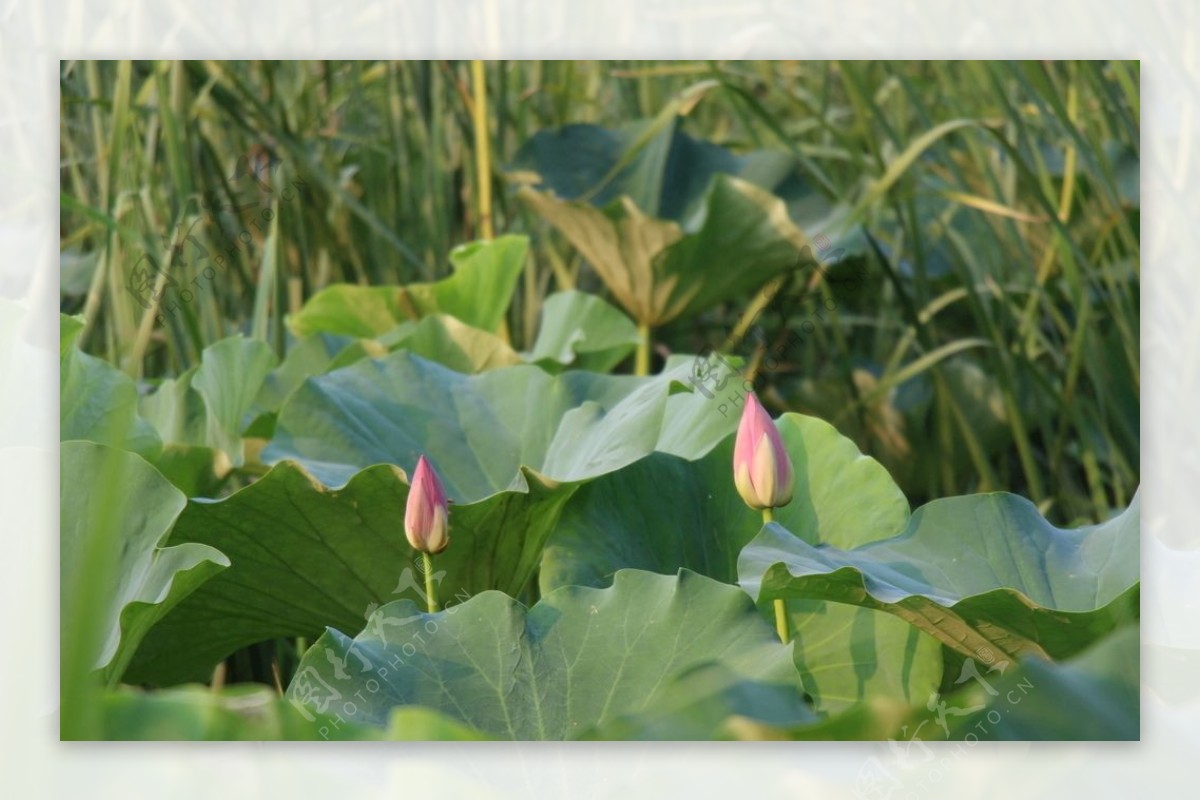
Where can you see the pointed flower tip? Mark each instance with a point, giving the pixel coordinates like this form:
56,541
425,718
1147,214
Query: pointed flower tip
762,469
427,513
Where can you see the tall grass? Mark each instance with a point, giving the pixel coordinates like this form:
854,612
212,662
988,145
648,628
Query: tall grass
994,344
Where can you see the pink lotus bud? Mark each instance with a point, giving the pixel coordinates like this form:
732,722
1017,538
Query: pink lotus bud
762,470
427,515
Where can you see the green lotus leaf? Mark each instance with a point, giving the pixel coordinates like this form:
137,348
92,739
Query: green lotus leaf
305,557
121,533
97,401
582,331
664,512
478,293
480,431
578,658
981,573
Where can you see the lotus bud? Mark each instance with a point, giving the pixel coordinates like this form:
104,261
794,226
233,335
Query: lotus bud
762,470
427,515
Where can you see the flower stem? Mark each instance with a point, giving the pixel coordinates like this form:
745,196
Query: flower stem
483,167
641,365
430,589
781,622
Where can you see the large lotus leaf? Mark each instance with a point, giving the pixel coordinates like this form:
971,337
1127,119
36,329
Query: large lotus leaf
438,338
578,658
581,330
664,512
741,238
305,557
479,431
304,535
1092,696
114,513
97,401
577,330
477,293
982,573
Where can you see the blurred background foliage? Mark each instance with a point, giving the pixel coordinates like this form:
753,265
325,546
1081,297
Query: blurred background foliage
987,211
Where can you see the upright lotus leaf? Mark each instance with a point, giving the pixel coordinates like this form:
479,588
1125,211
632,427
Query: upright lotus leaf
982,573
69,329
662,170
480,430
230,376
1092,696
178,414
202,415
578,658
115,511
177,411
671,224
478,293
657,270
582,331
307,356
97,401
305,557
664,512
